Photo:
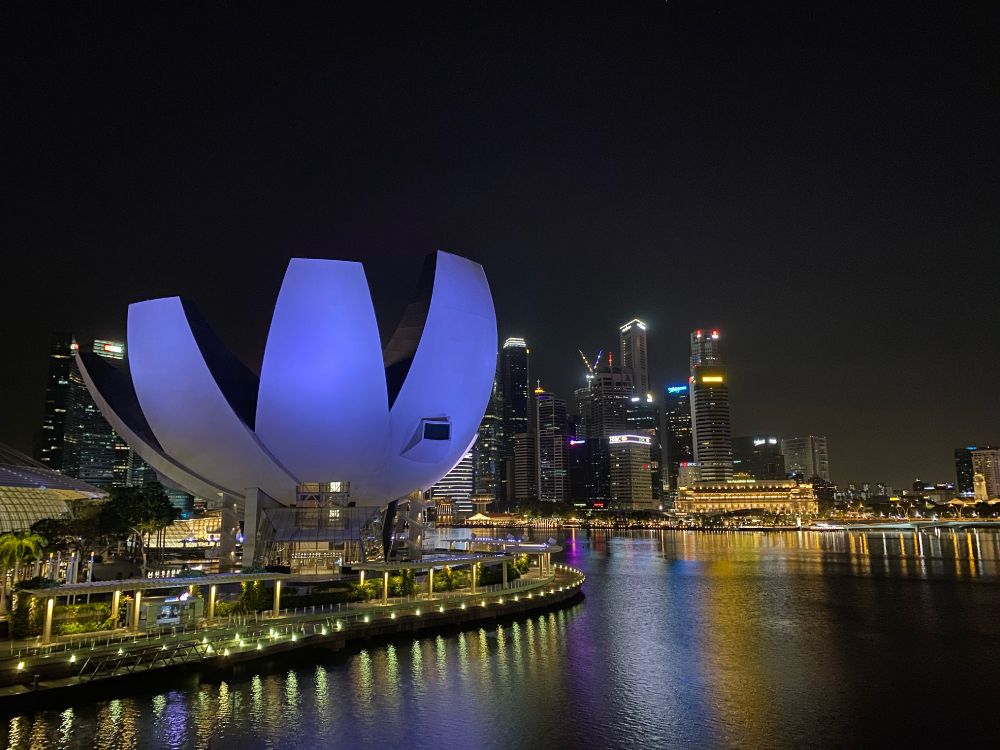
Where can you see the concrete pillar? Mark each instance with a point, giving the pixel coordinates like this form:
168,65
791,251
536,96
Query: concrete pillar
136,611
430,582
277,599
503,566
474,576
116,601
211,601
251,506
362,578
50,605
385,587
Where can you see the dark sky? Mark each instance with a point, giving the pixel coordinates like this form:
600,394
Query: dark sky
820,180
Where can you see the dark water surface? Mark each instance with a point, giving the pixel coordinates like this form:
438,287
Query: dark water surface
685,639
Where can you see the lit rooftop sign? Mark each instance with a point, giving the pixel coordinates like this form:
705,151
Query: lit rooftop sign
711,379
631,439
677,389
634,322
109,349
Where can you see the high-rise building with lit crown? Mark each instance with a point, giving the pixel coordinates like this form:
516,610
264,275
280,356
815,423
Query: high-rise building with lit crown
634,354
642,416
759,456
629,469
517,477
677,443
710,419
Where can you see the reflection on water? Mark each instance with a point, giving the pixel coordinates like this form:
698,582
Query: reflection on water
685,639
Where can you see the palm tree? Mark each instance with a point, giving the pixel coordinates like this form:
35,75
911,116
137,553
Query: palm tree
6,561
17,546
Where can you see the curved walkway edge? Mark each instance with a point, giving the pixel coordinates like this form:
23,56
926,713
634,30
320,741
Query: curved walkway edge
73,680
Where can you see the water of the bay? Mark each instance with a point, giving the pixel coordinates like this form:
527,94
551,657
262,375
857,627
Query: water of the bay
685,639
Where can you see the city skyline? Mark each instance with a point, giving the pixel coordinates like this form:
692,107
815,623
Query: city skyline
797,195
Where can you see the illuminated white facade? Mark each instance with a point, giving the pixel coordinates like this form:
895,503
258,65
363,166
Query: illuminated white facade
330,403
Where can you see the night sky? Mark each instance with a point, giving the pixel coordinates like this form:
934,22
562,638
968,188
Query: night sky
819,180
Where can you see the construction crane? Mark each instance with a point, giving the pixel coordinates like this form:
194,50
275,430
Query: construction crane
586,362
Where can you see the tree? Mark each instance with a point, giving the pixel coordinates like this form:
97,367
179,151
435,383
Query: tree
133,513
82,532
15,548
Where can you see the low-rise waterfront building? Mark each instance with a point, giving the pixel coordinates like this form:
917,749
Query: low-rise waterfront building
769,496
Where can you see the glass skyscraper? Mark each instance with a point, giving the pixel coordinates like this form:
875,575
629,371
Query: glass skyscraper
710,420
51,440
678,442
517,476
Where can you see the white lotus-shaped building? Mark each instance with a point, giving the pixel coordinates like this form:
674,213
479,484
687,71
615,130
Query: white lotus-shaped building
330,405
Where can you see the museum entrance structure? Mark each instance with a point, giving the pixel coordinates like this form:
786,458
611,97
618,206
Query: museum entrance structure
321,461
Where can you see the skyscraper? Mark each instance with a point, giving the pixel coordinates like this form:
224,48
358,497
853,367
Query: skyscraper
51,440
517,420
553,476
588,472
488,451
525,468
678,443
93,451
628,460
710,421
759,456
456,485
633,349
642,417
807,457
603,405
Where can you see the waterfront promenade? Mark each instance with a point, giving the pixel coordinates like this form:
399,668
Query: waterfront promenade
32,673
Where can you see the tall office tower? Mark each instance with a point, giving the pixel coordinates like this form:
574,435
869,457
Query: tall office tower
986,461
514,392
807,457
584,413
524,476
604,405
628,464
710,423
677,442
456,485
587,460
633,347
759,456
488,450
642,417
93,451
552,432
49,449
